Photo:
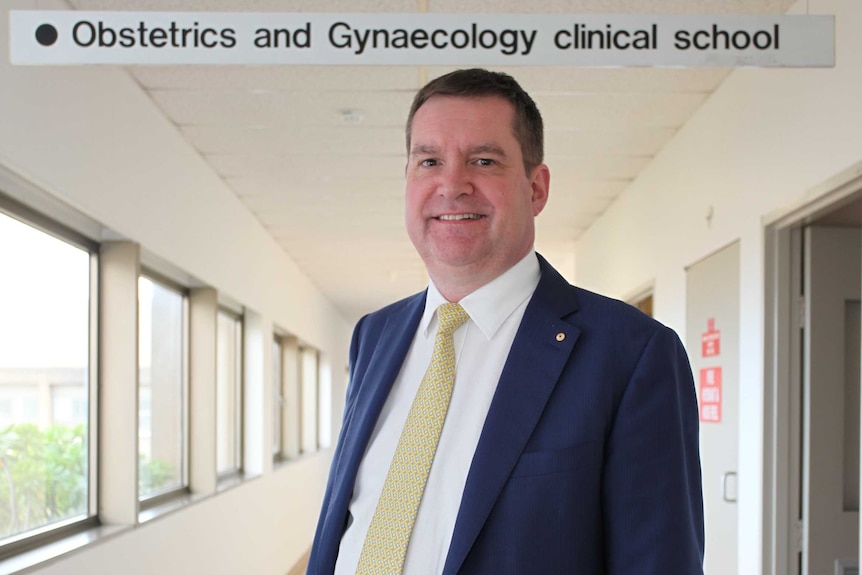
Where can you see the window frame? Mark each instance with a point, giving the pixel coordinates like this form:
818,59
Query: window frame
237,469
47,534
278,398
164,496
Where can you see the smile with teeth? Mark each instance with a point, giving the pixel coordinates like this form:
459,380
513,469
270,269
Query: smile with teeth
455,217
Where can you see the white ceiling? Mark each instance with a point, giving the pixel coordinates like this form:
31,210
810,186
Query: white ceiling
330,192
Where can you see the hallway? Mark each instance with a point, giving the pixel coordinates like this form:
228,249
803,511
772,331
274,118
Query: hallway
206,218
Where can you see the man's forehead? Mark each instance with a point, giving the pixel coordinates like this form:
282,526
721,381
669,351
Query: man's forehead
435,107
482,101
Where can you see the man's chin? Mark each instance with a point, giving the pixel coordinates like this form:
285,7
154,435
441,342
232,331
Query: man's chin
453,260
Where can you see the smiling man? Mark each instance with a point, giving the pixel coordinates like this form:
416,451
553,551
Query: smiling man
503,421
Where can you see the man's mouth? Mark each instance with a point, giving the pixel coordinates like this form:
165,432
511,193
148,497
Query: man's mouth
456,217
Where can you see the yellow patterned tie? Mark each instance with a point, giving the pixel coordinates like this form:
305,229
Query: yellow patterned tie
388,535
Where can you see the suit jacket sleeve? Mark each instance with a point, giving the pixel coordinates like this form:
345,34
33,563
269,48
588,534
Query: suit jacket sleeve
652,506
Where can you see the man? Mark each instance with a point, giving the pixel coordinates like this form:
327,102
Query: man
570,442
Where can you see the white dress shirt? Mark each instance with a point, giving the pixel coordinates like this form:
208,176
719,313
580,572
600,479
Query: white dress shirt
481,347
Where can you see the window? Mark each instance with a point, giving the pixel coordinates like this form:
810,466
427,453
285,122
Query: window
68,404
277,399
291,421
162,328
324,403
229,394
46,366
309,386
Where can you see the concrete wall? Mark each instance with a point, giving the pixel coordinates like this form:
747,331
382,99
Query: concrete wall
764,139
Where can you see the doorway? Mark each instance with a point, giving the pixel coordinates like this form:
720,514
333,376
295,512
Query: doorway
812,393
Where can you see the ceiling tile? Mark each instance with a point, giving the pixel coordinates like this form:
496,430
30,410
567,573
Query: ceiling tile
250,169
635,142
278,78
243,108
595,168
282,140
623,110
539,80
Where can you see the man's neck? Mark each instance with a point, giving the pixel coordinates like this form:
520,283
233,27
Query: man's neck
455,283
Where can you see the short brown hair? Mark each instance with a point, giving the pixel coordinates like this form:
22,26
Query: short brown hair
478,83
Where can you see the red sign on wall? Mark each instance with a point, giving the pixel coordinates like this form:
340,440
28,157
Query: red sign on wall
710,340
710,395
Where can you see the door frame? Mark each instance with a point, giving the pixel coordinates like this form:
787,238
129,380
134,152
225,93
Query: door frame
782,242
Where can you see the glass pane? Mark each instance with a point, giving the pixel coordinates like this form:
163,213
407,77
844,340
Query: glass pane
276,398
309,400
227,394
324,407
44,364
160,400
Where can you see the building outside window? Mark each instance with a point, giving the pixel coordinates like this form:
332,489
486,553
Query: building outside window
229,394
45,386
162,327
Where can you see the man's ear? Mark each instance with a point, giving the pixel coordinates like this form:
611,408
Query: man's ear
540,183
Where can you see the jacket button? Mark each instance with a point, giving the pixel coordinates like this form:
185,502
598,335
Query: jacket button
561,336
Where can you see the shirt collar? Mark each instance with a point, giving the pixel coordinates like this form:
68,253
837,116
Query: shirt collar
491,304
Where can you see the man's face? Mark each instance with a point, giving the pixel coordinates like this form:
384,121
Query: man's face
470,205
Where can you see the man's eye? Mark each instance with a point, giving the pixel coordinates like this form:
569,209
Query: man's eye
428,163
485,162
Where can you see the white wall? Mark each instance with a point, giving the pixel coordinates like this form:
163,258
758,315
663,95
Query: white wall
758,144
261,527
90,137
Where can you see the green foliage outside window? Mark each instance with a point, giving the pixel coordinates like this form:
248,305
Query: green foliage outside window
43,476
154,474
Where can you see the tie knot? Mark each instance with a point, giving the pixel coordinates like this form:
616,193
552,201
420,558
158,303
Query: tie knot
451,316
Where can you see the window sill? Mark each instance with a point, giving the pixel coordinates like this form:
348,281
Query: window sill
228,482
169,506
45,554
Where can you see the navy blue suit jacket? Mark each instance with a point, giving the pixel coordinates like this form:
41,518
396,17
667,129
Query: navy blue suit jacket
588,460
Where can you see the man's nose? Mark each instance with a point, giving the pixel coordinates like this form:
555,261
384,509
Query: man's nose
455,181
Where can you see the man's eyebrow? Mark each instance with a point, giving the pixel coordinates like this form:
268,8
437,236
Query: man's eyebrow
488,149
423,149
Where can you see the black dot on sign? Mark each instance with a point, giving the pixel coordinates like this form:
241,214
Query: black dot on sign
46,34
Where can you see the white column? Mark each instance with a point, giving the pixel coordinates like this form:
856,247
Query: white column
203,307
118,383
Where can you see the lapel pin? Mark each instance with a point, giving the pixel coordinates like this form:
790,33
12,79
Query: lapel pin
561,336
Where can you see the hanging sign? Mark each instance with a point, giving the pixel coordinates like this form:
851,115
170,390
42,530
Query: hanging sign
76,37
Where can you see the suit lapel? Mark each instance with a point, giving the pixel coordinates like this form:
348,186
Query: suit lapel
534,365
389,352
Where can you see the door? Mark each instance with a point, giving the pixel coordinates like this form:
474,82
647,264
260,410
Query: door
830,399
712,340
